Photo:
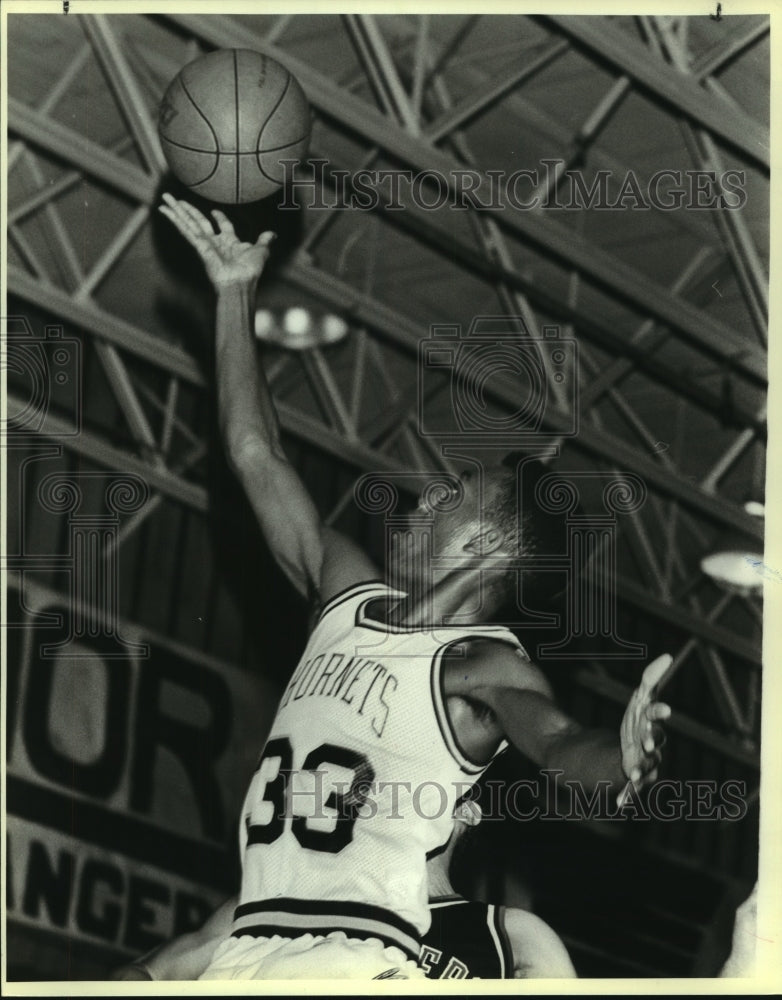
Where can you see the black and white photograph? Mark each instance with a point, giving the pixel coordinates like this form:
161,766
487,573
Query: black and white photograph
387,587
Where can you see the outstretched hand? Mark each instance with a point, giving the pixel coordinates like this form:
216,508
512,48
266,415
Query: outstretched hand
640,748
228,261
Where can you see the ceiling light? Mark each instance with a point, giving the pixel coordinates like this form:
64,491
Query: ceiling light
737,566
298,328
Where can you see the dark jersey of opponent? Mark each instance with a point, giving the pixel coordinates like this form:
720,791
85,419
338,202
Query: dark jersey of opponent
466,940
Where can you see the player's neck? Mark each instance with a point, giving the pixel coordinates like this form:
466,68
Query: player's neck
452,599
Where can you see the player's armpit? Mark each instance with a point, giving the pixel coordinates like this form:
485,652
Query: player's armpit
344,565
514,689
286,514
318,560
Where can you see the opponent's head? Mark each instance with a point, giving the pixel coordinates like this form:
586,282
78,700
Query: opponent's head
467,816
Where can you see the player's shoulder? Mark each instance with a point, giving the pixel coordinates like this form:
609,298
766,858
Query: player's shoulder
502,664
534,945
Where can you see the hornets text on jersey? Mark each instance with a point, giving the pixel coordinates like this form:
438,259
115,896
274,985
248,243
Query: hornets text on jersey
357,782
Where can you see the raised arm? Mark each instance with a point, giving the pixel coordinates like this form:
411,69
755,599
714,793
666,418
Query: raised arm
317,560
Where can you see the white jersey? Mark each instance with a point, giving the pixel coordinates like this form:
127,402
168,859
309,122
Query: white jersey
357,782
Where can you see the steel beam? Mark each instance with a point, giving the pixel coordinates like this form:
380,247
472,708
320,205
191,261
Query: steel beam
113,252
606,271
353,452
58,187
397,92
713,60
90,157
403,331
107,455
421,46
493,91
63,82
100,323
699,625
111,361
620,50
749,268
618,692
124,85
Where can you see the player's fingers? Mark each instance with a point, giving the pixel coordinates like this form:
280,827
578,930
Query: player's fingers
179,209
658,711
266,239
651,777
224,224
200,223
184,227
655,672
174,211
181,222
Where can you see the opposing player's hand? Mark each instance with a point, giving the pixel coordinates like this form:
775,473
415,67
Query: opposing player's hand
228,261
639,737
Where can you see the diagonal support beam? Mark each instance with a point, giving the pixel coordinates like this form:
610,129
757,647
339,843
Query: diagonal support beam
713,60
685,96
388,71
107,455
492,92
100,323
111,56
363,309
678,722
90,157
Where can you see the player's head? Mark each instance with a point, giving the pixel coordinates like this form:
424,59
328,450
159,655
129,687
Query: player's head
527,527
496,518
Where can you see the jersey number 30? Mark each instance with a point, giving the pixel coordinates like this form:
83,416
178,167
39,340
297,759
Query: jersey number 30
344,805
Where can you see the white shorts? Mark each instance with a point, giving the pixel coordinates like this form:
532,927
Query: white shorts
335,956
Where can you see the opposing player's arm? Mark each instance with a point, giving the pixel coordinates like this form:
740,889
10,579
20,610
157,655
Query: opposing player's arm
318,560
520,699
538,952
186,957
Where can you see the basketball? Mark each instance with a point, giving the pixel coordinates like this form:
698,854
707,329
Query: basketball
226,121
